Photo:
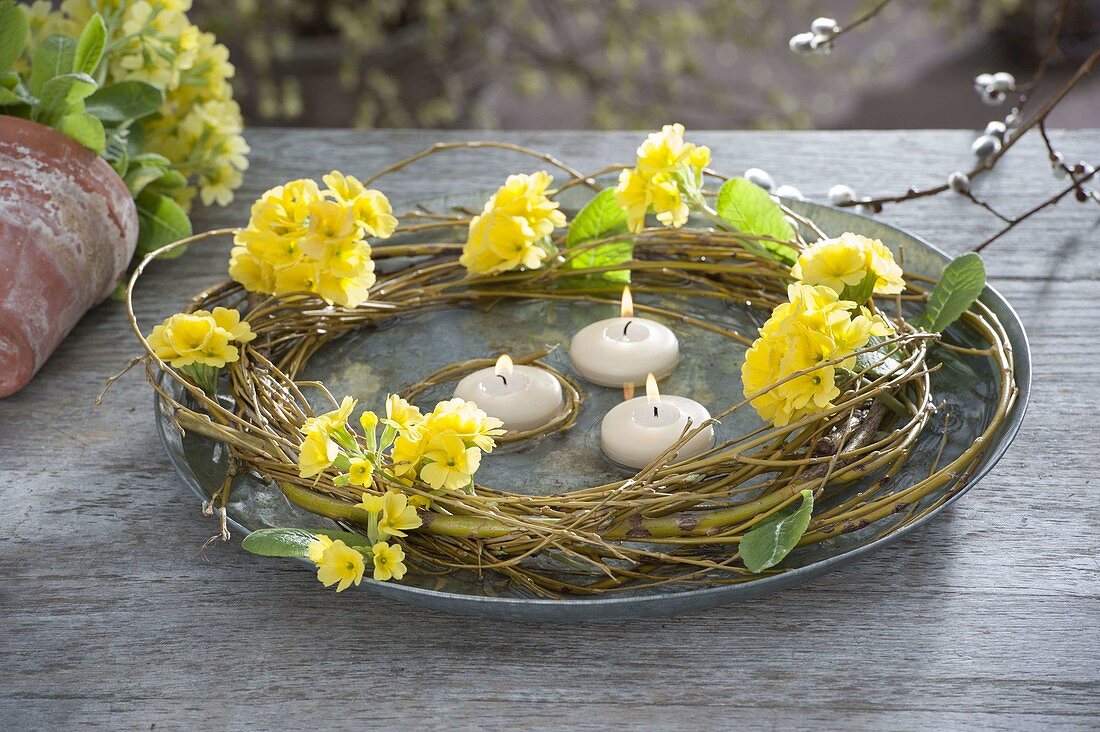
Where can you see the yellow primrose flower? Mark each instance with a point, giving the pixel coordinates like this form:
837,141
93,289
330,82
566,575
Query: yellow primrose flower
633,195
667,202
316,453
401,415
667,179
372,209
368,420
450,463
408,450
317,546
465,420
201,337
360,472
371,503
846,261
397,515
513,228
341,565
329,422
389,561
331,227
812,328
301,238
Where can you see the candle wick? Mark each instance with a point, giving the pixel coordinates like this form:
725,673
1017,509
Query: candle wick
502,378
655,415
627,325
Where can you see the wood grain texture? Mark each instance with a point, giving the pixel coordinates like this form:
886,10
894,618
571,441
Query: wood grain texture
987,618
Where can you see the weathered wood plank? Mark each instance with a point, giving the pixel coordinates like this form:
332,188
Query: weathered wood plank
109,616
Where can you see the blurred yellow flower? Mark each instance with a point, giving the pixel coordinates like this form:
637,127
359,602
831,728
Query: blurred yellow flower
341,565
812,328
200,337
846,261
514,228
667,179
397,515
389,561
301,238
199,126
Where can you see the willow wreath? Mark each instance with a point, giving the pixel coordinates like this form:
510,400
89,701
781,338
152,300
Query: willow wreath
726,515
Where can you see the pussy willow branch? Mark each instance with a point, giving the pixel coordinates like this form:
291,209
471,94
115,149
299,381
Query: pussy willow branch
1015,220
1082,71
1012,137
865,18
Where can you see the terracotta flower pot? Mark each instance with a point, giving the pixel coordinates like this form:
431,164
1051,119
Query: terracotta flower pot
68,228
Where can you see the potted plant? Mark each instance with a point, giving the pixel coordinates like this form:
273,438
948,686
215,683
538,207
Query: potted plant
110,124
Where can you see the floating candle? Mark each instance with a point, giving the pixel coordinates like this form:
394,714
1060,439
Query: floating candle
523,397
620,351
634,432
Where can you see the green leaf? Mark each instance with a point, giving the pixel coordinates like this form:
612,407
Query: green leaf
877,363
8,97
52,59
170,179
138,177
126,100
962,282
90,45
600,218
161,221
767,544
85,129
751,210
13,33
62,95
295,542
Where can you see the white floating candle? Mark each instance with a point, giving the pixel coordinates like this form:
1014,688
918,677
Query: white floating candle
523,397
620,351
634,432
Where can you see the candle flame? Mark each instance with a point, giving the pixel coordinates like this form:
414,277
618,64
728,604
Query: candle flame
504,365
626,308
652,394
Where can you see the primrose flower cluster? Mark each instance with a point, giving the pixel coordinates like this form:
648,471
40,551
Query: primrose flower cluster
343,565
789,371
201,343
302,238
848,261
667,179
514,228
442,448
199,127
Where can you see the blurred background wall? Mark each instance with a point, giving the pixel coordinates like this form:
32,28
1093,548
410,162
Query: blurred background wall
571,64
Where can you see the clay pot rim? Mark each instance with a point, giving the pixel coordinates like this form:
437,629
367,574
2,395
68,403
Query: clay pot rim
40,136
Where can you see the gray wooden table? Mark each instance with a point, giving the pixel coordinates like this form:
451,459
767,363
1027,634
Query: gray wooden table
988,617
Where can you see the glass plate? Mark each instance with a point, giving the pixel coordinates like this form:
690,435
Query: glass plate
370,363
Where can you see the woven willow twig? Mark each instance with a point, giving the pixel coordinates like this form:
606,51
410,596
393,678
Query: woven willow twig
675,521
